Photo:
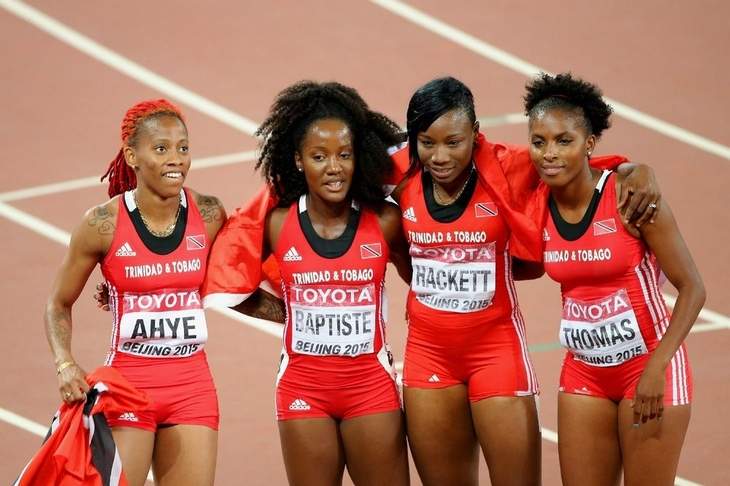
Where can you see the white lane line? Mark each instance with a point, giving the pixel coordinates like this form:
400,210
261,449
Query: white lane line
521,66
128,67
716,320
23,423
34,224
86,182
499,120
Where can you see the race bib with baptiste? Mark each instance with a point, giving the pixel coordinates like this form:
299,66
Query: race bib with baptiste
602,332
333,320
454,278
162,324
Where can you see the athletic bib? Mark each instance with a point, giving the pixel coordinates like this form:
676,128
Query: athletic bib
602,332
333,320
452,277
162,324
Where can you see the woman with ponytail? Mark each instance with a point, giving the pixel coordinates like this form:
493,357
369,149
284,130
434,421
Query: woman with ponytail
151,240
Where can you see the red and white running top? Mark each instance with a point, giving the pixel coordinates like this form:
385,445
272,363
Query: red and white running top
613,309
335,305
462,268
154,299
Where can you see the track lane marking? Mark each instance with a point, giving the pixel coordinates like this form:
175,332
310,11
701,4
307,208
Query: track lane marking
521,66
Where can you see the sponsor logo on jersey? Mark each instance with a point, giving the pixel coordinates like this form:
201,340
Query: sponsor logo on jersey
299,405
129,417
434,378
410,214
485,209
292,255
195,242
125,251
545,235
604,227
371,250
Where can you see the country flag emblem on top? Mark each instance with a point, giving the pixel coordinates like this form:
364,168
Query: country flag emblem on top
485,209
604,227
195,242
370,250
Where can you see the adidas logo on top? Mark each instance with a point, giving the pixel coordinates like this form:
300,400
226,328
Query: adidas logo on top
292,255
299,404
434,379
125,250
410,214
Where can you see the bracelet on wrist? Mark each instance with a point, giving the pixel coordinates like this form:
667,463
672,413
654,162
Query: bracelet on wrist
63,366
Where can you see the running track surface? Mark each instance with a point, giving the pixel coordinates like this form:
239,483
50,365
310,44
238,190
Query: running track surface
69,72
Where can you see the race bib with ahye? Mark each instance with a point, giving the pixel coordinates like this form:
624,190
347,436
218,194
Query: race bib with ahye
162,324
454,278
602,332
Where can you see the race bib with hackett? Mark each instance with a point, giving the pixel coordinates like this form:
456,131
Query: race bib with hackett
162,324
454,277
333,320
602,332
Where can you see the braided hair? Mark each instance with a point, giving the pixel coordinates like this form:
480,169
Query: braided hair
121,176
546,92
295,109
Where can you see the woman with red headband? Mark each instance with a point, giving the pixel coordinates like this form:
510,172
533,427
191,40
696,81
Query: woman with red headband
151,240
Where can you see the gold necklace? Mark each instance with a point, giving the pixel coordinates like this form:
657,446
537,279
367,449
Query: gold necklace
442,202
167,231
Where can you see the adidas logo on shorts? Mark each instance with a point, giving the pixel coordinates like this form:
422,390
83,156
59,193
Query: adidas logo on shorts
292,255
434,378
129,417
125,250
299,404
410,214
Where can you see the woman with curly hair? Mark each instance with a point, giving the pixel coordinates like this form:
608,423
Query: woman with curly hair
325,155
626,384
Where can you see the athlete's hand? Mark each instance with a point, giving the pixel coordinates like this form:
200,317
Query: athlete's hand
101,296
72,384
640,195
648,401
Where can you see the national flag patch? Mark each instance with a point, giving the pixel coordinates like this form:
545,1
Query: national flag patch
485,209
604,227
371,250
195,242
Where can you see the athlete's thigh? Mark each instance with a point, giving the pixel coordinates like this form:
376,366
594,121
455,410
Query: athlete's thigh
509,433
441,435
588,441
313,451
375,449
185,455
135,448
651,451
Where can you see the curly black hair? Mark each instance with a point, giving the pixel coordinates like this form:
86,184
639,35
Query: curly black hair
294,111
429,102
564,91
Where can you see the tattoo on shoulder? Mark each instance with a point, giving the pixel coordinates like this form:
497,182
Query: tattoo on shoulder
210,208
103,220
